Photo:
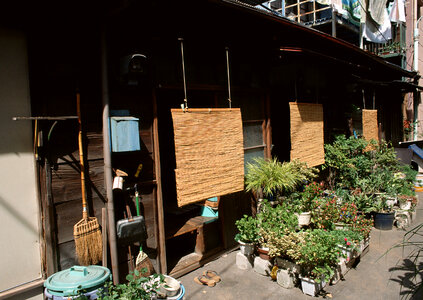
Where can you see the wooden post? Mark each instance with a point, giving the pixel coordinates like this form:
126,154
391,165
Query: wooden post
108,161
104,234
49,221
268,153
333,23
159,200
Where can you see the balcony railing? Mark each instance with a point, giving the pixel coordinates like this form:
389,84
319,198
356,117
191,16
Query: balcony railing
302,11
396,46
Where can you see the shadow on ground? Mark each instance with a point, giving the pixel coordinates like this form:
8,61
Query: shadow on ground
410,278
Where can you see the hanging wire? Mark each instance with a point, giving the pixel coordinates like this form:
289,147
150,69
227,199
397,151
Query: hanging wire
295,89
374,96
185,105
229,77
364,99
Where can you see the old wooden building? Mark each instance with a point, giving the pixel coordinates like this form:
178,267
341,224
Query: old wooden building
87,48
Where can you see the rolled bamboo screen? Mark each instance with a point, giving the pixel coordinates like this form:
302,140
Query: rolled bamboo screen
370,129
209,153
307,142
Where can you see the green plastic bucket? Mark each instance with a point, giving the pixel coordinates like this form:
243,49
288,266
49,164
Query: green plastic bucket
75,281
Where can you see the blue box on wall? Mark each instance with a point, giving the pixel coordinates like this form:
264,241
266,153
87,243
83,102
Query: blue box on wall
124,134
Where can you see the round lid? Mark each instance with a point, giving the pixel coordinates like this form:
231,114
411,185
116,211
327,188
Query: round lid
68,282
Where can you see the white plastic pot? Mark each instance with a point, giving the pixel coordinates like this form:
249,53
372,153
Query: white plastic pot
304,218
246,248
311,287
405,205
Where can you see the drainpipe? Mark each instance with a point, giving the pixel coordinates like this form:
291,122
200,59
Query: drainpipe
416,68
416,45
108,161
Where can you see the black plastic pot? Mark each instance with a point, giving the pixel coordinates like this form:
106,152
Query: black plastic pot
384,221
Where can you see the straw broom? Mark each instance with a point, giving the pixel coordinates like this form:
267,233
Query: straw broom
87,235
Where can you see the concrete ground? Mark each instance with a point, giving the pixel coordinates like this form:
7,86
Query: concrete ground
375,276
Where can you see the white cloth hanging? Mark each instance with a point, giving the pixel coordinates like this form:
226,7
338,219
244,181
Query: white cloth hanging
397,13
372,31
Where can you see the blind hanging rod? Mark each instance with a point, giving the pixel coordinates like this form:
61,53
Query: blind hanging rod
185,104
229,77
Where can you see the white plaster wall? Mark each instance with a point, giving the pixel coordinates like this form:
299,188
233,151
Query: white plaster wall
19,212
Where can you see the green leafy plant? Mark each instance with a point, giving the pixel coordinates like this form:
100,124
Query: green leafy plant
311,193
247,229
347,160
271,177
287,246
136,288
325,213
347,238
275,222
362,226
318,255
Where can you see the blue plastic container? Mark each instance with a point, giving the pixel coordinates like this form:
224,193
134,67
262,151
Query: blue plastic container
77,280
180,295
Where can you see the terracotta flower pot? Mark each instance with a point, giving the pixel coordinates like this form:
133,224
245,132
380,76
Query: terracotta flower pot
263,253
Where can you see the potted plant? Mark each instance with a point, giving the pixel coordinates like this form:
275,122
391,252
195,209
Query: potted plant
135,288
247,235
318,259
384,215
287,249
271,178
348,242
274,222
312,192
326,213
363,226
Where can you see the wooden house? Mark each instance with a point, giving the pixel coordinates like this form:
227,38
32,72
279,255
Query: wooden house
86,48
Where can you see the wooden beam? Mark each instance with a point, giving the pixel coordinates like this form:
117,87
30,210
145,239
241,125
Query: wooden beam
60,118
202,110
38,283
299,3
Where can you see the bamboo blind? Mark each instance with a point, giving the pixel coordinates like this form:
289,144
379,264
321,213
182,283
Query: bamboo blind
307,142
209,153
370,129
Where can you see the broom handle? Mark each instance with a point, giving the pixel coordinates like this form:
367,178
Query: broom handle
81,157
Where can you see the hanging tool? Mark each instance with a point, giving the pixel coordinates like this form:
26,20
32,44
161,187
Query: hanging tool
131,229
129,216
143,262
87,235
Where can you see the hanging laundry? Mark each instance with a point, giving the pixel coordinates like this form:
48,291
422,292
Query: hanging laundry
397,11
372,30
377,9
351,9
324,2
